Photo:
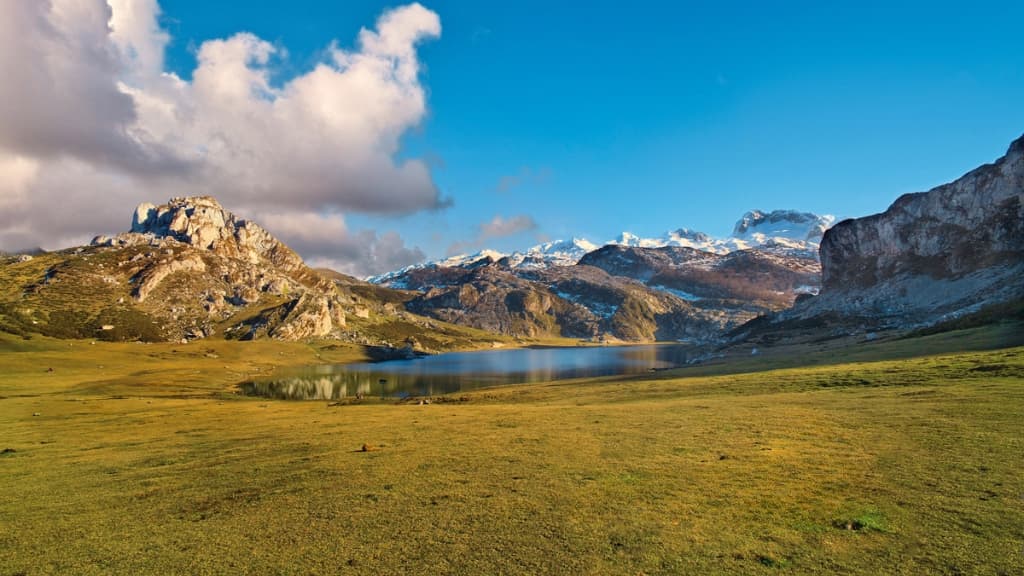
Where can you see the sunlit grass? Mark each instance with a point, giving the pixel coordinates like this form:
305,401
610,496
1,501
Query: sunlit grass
142,460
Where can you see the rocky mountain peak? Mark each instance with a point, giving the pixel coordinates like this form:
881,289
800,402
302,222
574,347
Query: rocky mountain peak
203,223
694,235
223,265
791,224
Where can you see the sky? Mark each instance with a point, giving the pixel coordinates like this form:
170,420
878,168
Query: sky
371,135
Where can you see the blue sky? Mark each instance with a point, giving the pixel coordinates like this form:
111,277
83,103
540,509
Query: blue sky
552,119
646,116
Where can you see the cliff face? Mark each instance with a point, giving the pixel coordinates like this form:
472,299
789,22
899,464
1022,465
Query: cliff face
973,223
931,255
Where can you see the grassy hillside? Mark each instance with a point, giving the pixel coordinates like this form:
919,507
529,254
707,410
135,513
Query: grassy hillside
137,458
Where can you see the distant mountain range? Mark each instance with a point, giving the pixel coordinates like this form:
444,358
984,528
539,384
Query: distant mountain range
189,269
782,231
684,285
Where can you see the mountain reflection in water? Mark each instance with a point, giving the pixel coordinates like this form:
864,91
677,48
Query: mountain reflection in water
461,371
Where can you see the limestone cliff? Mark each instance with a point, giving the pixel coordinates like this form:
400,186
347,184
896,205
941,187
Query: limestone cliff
932,255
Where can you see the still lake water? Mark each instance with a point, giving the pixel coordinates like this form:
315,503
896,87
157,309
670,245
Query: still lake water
461,371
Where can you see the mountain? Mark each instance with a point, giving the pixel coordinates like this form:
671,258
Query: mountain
784,232
190,269
751,280
684,285
780,231
930,257
758,226
569,301
557,253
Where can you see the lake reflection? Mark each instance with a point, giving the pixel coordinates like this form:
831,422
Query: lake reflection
460,371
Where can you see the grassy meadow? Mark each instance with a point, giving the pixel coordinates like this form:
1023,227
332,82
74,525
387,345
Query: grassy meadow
900,457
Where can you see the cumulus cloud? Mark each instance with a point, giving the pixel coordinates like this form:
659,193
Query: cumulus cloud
326,241
91,124
60,95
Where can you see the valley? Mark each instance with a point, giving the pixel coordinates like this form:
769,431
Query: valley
898,456
511,288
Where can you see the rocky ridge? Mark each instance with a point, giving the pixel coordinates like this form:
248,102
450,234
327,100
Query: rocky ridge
931,256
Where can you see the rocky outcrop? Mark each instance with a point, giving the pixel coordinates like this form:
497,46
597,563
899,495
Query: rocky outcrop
202,223
153,275
973,223
192,265
932,255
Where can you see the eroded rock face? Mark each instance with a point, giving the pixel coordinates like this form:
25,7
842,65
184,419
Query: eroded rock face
970,224
153,275
201,222
193,260
931,255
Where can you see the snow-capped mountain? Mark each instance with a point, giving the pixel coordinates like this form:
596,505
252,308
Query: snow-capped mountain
556,253
546,255
760,226
786,232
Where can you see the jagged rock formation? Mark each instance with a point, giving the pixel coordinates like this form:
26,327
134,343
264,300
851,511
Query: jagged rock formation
233,264
931,256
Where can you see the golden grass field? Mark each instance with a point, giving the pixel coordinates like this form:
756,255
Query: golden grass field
901,457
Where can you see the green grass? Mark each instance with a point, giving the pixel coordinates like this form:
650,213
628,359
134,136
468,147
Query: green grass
894,458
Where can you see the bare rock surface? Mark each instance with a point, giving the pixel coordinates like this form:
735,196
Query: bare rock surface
931,256
192,264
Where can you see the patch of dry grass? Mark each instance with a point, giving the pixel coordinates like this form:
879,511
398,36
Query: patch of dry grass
141,460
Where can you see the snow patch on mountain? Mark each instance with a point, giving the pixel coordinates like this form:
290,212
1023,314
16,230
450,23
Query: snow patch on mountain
599,309
677,293
556,253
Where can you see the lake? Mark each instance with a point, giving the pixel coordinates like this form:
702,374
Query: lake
461,371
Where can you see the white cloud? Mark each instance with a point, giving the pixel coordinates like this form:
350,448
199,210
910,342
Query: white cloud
326,241
497,227
91,124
